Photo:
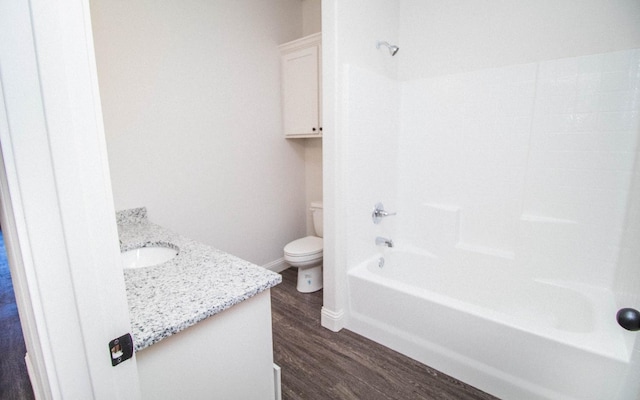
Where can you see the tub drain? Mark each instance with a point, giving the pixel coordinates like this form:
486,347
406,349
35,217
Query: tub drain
380,262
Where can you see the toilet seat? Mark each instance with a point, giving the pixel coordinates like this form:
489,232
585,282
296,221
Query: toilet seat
307,248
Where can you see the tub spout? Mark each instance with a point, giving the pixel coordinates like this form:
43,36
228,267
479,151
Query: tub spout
380,241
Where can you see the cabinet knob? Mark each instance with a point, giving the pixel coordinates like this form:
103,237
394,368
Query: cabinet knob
320,129
313,129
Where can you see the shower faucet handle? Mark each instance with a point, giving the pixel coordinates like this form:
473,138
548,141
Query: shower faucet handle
379,213
380,241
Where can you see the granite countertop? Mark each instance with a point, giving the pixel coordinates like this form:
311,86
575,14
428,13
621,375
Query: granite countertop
199,282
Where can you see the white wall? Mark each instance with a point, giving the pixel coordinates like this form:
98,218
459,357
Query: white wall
361,24
439,37
311,17
312,23
313,176
191,98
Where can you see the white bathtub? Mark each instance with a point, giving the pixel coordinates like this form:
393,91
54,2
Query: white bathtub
475,319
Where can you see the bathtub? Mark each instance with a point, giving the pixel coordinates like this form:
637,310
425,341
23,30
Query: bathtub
473,318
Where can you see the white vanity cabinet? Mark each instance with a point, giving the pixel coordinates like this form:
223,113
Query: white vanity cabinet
301,62
203,332
226,356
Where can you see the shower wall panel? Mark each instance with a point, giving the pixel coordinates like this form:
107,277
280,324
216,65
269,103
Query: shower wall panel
584,141
627,278
464,150
371,121
530,163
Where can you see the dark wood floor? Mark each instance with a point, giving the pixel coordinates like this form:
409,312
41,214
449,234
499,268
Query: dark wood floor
14,381
319,364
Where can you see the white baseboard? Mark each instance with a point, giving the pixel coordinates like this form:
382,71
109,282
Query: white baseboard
38,393
332,320
278,265
277,381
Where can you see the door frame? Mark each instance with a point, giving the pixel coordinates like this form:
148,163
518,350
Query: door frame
57,206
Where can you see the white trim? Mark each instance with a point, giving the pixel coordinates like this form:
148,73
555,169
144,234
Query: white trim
333,172
332,320
278,265
302,43
277,381
14,227
38,391
63,239
39,381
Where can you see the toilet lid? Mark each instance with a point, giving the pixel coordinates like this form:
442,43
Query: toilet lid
304,247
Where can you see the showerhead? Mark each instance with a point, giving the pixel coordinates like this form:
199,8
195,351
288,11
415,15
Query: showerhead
393,49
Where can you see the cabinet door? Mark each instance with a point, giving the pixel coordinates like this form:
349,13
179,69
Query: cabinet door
301,92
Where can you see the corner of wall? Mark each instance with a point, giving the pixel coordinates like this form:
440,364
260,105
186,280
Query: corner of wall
311,17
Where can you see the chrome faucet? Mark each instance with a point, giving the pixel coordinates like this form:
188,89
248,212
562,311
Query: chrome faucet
379,213
384,241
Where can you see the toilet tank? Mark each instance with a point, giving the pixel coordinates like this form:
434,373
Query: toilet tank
316,211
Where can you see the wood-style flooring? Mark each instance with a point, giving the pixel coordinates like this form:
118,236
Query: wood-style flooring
319,364
14,381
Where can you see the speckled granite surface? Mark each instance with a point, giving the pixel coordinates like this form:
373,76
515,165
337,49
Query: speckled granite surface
199,282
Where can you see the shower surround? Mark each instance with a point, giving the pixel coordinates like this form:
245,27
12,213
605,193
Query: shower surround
520,174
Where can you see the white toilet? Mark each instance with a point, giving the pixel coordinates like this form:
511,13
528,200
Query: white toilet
306,255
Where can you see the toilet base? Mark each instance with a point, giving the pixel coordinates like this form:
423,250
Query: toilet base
309,279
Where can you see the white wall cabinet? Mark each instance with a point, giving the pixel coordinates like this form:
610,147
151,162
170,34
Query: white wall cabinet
302,87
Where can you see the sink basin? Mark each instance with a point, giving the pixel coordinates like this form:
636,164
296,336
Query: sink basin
147,256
